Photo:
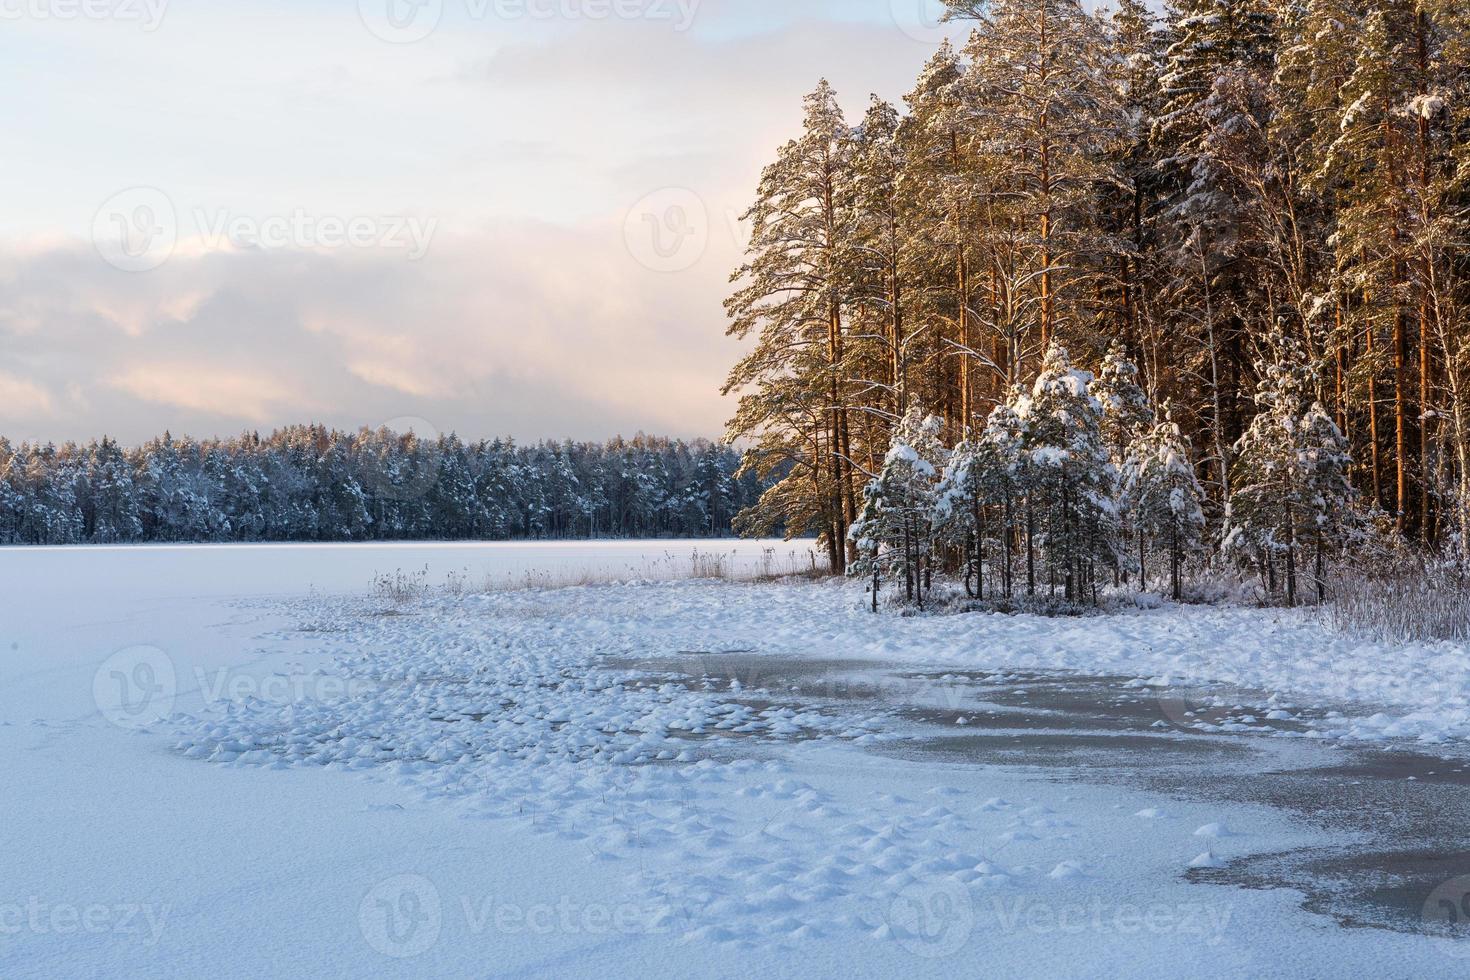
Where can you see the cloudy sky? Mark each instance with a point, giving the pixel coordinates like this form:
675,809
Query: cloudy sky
495,216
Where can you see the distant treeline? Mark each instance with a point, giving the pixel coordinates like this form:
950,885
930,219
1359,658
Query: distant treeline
310,483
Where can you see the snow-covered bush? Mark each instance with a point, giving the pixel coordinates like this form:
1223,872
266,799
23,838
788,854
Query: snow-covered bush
1071,481
894,533
1291,494
979,498
1164,497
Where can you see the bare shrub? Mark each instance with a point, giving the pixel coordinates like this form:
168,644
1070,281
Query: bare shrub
1406,600
457,582
708,564
399,587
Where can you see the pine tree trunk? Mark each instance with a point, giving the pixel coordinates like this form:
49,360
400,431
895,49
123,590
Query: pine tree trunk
849,494
908,561
1426,516
1048,301
1142,564
966,382
1030,548
1176,580
1009,534
1290,561
927,557
1339,388
1321,570
895,295
920,566
1375,461
1400,404
1217,420
1072,561
1460,424
979,548
962,298
840,501
834,543
1427,527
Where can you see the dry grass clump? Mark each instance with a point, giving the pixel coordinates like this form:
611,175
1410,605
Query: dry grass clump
670,567
1409,599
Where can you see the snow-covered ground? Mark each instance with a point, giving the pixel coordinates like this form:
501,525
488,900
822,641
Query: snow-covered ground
244,762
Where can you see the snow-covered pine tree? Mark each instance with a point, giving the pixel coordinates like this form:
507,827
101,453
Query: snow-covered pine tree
1318,43
1044,107
1441,107
1328,519
1165,498
1368,163
884,248
1217,48
13,497
111,510
960,511
979,498
943,185
1259,521
1126,415
1126,420
1071,480
1138,52
1210,39
894,533
793,293
1291,485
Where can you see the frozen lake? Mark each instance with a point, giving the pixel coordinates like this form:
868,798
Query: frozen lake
244,761
290,569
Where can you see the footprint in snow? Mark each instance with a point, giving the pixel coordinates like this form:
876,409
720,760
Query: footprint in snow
1068,870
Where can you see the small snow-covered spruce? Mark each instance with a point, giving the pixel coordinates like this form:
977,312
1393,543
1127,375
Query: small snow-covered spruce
1127,419
1071,480
979,498
1329,517
1164,496
1291,489
894,532
1259,522
1126,415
